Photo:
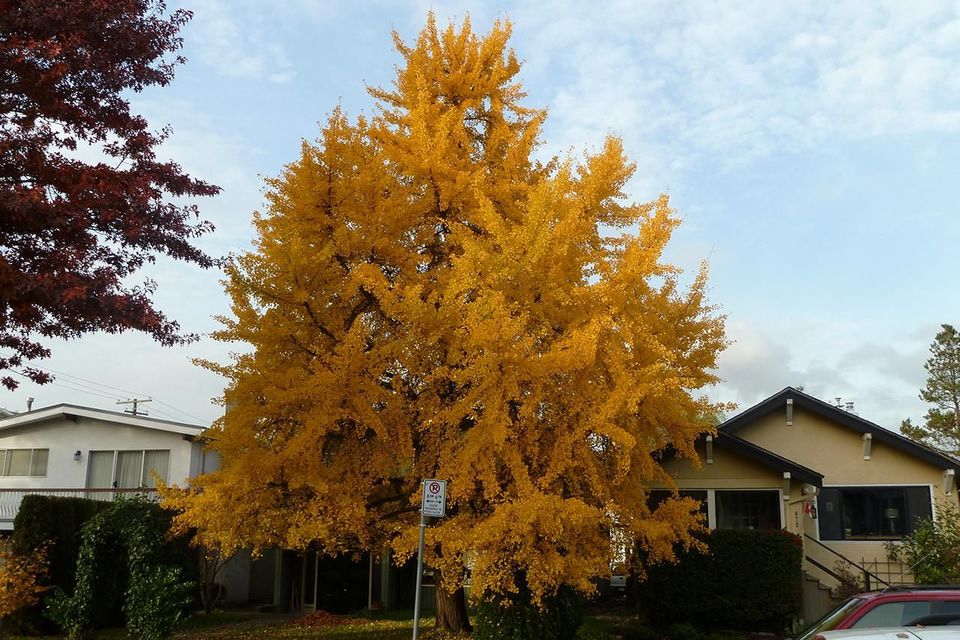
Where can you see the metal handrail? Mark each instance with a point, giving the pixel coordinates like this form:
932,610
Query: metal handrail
830,572
866,573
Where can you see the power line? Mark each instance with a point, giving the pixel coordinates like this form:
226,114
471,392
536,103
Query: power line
177,410
66,385
94,391
99,384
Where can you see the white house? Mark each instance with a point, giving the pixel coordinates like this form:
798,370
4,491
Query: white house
79,451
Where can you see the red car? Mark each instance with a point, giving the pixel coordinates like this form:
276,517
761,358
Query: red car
892,607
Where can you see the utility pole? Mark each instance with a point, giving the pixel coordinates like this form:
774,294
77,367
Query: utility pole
135,402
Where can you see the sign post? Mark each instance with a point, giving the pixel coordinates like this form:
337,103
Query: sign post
433,504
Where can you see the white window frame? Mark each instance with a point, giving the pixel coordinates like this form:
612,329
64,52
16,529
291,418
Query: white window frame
33,453
712,501
933,507
113,471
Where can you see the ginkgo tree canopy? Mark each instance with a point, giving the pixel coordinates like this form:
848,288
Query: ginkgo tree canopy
427,299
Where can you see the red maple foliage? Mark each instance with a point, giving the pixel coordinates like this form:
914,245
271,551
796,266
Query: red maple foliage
72,232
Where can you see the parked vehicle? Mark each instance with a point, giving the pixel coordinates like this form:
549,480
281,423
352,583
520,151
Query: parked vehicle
892,607
951,632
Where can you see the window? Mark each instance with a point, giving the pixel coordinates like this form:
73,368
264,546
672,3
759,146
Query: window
24,462
748,509
132,469
656,497
893,614
729,509
871,513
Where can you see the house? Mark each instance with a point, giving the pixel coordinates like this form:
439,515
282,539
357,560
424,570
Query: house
80,451
73,451
845,485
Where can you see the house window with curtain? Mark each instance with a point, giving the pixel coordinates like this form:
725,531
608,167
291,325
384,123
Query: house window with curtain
24,462
748,509
871,513
131,469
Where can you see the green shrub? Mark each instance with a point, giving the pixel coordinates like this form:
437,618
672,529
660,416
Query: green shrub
749,580
932,550
683,631
154,595
515,618
156,601
57,520
638,631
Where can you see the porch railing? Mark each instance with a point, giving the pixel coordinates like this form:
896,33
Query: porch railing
870,579
10,499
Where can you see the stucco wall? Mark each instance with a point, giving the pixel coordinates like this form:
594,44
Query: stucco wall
838,453
64,437
730,470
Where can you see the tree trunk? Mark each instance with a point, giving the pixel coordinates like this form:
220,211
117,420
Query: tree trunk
451,607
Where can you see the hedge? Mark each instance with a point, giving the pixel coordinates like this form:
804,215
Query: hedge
749,580
515,618
60,521
156,593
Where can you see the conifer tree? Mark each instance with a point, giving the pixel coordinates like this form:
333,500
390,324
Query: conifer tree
941,427
425,299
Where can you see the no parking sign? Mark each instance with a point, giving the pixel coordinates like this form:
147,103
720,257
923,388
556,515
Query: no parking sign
434,498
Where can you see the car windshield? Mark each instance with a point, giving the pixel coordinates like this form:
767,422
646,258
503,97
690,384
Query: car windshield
831,620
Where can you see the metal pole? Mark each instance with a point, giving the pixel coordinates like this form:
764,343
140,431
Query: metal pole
370,583
416,597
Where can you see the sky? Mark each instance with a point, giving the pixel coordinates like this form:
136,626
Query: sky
809,147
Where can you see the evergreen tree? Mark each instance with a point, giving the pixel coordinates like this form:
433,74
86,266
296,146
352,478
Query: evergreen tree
941,427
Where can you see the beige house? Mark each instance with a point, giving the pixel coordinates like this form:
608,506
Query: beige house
844,484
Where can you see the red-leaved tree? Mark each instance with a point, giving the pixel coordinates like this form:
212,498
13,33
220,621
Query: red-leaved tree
74,229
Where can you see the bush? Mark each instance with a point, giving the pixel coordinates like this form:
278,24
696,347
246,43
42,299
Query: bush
932,550
57,521
683,631
748,580
515,618
637,631
154,594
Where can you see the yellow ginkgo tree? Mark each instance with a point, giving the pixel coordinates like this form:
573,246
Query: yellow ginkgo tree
426,299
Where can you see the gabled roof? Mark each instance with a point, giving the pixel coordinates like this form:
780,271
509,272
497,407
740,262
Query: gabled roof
71,412
840,416
757,454
768,458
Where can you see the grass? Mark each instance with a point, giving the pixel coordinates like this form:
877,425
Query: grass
389,625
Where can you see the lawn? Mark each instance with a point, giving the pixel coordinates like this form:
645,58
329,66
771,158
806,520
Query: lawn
392,625
383,626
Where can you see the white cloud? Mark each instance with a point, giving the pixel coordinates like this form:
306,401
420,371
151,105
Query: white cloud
240,39
883,380
728,82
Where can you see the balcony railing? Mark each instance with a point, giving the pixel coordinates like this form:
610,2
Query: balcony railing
10,499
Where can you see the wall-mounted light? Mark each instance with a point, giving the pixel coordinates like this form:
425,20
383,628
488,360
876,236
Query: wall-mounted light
76,455
789,412
867,445
709,449
810,490
786,485
949,481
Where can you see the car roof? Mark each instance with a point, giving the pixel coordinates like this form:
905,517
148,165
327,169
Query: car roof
882,633
913,591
